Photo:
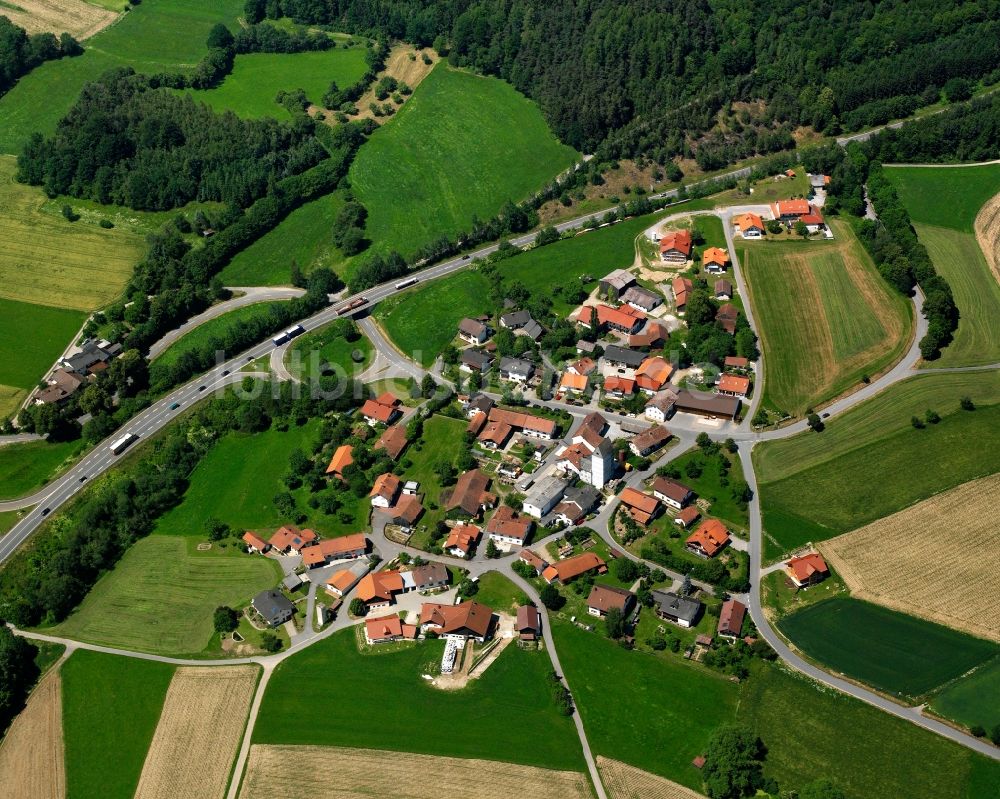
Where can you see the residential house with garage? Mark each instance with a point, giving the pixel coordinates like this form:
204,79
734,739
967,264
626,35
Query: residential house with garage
462,540
341,582
675,247
750,226
341,548
680,610
383,410
576,504
383,629
426,577
709,539
565,571
290,540
523,323
385,490
475,331
604,598
670,492
806,570
274,607
617,388
378,589
516,370
406,512
475,361
714,260
625,319
462,622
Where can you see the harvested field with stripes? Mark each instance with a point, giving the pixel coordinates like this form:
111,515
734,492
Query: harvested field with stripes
75,17
329,772
32,764
199,733
623,781
927,560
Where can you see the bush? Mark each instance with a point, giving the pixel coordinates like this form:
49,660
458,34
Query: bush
357,607
270,642
107,224
225,619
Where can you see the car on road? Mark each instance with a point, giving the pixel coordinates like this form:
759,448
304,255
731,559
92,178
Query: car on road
226,372
466,257
83,478
174,406
45,511
201,388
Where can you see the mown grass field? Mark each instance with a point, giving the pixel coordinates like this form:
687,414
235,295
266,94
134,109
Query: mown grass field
110,709
827,318
161,596
250,89
658,718
442,440
708,486
214,329
499,593
943,204
304,236
871,462
25,467
460,147
963,701
472,722
896,653
306,359
156,36
810,731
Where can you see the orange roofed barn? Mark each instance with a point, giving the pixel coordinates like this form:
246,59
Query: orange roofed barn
709,539
342,458
567,570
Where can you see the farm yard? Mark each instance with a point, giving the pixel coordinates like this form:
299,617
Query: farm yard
935,570
943,205
460,147
250,90
471,723
899,654
198,733
827,318
32,762
161,596
156,36
111,706
288,772
870,462
623,781
76,17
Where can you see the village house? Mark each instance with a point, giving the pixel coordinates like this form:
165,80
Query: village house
807,570
649,440
736,363
343,457
384,492
274,607
687,517
516,370
675,248
714,260
469,496
680,610
676,495
532,559
626,361
615,284
750,226
733,386
723,290
528,624
342,581
93,357
393,440
378,589
584,347
641,507
341,548
653,374
255,543
712,406
790,210
681,287
289,540
625,319
473,330
589,455
523,323
661,407
813,221
508,529
576,504
406,512
618,388
478,403
426,577
731,618
726,316
584,366
565,571
383,410
571,383
469,619
654,334
709,539
603,598
384,629
544,496
476,361
462,540
62,384
642,299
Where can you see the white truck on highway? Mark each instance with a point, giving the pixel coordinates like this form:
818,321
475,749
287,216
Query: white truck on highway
123,443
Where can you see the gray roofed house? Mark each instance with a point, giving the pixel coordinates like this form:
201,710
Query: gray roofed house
681,610
616,282
429,575
585,346
723,290
515,319
620,356
516,369
585,497
642,298
472,330
532,330
274,606
91,354
661,407
479,403
291,581
711,405
477,360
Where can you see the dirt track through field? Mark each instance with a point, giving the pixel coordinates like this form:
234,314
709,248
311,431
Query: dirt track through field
76,17
623,781
198,734
32,764
987,227
328,772
931,560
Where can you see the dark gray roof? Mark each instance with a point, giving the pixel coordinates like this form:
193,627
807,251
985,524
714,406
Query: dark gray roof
585,497
642,297
430,574
272,605
680,607
477,359
516,319
714,404
623,355
516,366
481,402
531,329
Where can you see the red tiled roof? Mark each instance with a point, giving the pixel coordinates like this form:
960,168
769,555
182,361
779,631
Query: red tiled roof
467,617
623,384
510,524
289,536
372,409
734,384
341,459
388,627
804,567
679,240
463,537
653,373
790,208
523,421
711,536
386,486
605,597
638,500
736,362
714,255
254,540
570,568
746,221
731,617
393,440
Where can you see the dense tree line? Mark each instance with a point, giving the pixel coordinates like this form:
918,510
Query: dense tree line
647,77
45,582
126,142
18,673
21,53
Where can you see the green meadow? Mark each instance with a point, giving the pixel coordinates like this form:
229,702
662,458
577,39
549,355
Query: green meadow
948,197
963,700
459,148
26,467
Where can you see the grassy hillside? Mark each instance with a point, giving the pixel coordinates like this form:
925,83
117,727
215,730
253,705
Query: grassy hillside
945,196
161,596
214,328
474,722
460,147
826,318
110,708
250,89
894,652
156,36
25,467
